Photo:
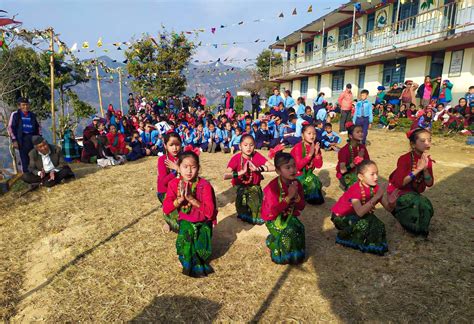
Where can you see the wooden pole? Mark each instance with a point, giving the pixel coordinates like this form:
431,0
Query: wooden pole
399,2
120,89
98,89
353,22
51,65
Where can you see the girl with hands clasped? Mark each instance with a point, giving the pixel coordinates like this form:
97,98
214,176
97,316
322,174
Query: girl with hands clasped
245,169
283,202
193,199
307,155
167,171
413,174
353,214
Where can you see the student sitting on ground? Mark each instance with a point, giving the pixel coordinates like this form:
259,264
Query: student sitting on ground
330,139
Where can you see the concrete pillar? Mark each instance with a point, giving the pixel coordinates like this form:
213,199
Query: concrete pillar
326,86
352,77
312,93
295,93
373,78
417,68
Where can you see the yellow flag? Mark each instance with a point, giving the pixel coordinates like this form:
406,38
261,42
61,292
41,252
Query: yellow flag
85,45
99,42
310,9
61,49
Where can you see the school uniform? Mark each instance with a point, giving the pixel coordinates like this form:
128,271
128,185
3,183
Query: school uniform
363,116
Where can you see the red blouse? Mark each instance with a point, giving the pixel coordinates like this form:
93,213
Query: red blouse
164,174
405,165
343,207
306,162
273,204
344,156
207,210
237,162
120,147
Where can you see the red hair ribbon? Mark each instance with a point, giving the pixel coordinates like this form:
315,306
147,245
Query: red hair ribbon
349,124
358,160
190,148
275,150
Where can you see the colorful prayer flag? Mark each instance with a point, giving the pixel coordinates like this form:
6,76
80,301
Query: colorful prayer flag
281,15
85,45
213,30
99,42
294,12
310,8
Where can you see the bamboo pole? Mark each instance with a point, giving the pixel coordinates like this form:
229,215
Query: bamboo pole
120,89
51,65
98,89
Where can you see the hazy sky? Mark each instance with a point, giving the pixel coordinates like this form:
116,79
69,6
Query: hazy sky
120,20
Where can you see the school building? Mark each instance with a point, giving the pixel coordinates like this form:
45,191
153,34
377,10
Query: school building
373,43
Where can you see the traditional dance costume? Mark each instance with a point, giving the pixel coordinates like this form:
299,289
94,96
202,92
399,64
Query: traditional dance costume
193,244
366,233
347,155
306,165
286,240
249,193
413,210
165,176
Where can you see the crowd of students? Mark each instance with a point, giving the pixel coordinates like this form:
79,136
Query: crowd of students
179,135
189,202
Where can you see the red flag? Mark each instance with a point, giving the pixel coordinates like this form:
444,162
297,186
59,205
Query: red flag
8,21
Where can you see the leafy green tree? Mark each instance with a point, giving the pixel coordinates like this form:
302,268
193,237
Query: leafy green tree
81,110
157,65
263,62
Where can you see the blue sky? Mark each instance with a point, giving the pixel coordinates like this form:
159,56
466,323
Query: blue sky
119,20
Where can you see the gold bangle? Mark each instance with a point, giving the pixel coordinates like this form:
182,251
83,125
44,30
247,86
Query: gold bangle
176,203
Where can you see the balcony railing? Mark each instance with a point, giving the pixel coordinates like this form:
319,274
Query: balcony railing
428,26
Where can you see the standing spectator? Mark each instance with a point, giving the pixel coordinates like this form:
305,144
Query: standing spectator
428,90
380,97
445,95
393,96
363,115
131,103
22,126
345,101
408,93
470,97
203,101
186,102
255,104
229,102
275,100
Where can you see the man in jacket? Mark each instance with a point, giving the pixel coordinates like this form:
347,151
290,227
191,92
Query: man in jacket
345,101
23,125
46,164
255,104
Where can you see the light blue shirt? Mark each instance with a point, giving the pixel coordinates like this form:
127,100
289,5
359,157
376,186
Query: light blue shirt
299,126
274,100
363,108
322,114
300,110
289,102
318,101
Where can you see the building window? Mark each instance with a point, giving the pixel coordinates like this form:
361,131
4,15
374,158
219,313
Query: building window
304,87
394,71
407,10
308,47
319,84
337,82
437,60
361,81
370,22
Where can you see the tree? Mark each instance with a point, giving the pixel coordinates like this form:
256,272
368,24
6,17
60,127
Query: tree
263,63
157,66
81,110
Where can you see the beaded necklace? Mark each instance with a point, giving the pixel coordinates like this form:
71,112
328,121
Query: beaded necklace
186,209
247,177
362,193
351,151
282,196
418,179
306,167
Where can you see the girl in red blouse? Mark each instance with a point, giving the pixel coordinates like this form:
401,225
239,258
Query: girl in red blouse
353,214
194,200
413,174
167,171
352,154
283,201
245,169
307,155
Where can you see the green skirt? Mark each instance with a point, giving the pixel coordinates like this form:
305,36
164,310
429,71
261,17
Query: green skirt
172,218
414,213
366,234
348,180
312,188
286,240
193,246
248,203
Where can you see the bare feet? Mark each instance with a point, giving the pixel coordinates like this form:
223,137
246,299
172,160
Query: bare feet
166,228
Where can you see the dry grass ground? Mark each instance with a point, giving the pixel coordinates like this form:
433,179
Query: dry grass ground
92,250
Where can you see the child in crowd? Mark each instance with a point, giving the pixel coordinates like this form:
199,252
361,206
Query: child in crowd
235,141
352,154
245,169
363,114
139,149
168,170
330,139
353,214
282,204
226,134
307,155
193,199
308,115
263,137
413,174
